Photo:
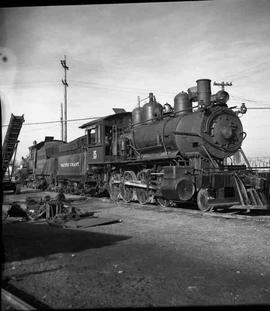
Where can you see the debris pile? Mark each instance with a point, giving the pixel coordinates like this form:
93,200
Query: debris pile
56,212
16,211
46,208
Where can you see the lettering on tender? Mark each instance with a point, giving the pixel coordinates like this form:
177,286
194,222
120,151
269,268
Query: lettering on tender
70,164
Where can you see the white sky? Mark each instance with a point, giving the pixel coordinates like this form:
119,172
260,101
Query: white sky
117,52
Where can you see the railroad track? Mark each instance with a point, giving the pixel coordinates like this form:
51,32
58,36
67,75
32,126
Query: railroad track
255,215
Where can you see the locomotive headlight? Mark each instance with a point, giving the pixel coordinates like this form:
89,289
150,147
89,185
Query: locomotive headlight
226,132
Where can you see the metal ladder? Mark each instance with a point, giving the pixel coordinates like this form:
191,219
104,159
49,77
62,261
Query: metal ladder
255,197
250,197
11,141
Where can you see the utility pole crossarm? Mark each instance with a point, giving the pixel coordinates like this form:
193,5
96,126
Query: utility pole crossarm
64,82
63,63
223,84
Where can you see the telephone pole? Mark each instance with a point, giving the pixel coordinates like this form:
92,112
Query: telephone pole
64,81
61,122
223,84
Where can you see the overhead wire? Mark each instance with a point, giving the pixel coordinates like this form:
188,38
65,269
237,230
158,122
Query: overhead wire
247,70
259,108
106,86
250,74
46,128
57,121
94,118
88,84
250,100
100,85
90,67
28,84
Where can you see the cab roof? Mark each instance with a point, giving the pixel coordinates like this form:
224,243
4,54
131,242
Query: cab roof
106,118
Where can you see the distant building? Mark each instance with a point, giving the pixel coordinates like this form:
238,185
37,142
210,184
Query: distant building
237,159
259,161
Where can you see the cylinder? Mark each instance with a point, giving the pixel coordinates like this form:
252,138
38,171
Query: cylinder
182,104
204,91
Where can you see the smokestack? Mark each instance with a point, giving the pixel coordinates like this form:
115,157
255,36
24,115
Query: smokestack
204,91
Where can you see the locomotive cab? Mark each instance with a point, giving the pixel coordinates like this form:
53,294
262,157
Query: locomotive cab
103,137
94,134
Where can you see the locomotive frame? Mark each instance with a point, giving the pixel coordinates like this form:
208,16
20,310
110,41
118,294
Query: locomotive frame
158,153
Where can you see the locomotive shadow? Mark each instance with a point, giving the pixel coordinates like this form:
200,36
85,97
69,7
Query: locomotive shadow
253,213
23,241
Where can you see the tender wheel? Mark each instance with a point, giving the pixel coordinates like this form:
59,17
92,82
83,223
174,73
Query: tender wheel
203,197
114,189
125,190
142,193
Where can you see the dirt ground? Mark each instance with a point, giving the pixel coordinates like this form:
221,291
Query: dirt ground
154,257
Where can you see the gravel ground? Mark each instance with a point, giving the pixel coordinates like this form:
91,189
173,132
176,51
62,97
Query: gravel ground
154,257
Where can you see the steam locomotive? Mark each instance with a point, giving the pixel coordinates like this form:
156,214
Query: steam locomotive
169,155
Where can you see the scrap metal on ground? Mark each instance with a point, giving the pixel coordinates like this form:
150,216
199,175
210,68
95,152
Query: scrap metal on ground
55,211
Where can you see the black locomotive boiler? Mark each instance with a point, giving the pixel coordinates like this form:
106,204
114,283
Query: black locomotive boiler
166,154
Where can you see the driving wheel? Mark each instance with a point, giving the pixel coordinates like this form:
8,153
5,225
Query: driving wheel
127,190
114,189
142,193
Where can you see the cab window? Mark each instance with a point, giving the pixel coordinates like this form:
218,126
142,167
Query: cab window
93,135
